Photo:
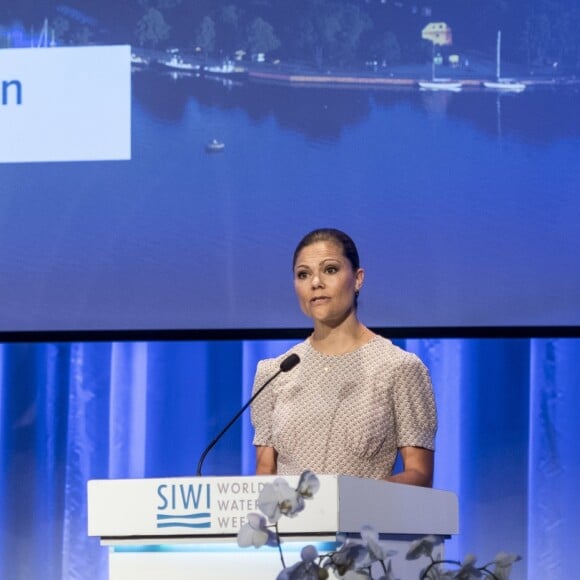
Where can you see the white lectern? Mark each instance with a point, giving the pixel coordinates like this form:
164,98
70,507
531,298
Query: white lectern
185,528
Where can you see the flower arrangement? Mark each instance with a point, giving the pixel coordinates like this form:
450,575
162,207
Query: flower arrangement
355,559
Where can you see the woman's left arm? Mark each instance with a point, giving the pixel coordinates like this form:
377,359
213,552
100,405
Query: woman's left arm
418,465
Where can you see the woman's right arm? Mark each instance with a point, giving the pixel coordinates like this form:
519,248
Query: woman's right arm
265,460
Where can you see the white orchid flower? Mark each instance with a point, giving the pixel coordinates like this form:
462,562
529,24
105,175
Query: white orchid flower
422,547
278,498
503,565
306,569
356,559
350,560
308,484
374,551
370,539
468,569
308,554
255,533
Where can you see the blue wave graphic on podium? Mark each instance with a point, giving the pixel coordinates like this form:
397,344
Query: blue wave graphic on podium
176,520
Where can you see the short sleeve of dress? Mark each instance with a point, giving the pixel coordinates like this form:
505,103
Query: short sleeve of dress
415,411
263,405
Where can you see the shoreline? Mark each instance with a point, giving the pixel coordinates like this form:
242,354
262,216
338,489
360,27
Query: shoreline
405,76
334,79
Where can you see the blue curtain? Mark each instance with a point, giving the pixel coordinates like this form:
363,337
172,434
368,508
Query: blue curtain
70,412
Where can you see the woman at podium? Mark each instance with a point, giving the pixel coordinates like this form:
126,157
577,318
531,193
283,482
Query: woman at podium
355,399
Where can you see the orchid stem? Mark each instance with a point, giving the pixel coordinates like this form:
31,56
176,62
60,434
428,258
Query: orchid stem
279,543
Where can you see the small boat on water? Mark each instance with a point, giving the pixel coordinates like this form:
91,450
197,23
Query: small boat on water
437,83
507,85
138,60
440,85
176,62
502,84
226,68
215,146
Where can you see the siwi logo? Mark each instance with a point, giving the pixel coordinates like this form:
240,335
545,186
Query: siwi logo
184,505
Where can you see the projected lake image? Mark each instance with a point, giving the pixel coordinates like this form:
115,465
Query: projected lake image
465,207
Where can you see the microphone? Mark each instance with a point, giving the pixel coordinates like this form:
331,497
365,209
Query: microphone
286,365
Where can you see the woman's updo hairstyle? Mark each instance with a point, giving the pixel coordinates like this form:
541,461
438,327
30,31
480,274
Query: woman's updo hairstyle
344,241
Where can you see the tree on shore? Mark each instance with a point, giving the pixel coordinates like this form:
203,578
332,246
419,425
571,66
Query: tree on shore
354,22
152,28
320,32
550,33
206,36
387,49
331,30
229,20
61,27
261,37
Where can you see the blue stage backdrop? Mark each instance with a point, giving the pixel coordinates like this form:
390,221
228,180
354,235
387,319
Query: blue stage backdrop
70,412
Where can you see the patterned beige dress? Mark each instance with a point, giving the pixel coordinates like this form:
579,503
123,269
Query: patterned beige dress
345,414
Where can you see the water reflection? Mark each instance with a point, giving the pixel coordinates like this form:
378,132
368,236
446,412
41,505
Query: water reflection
317,113
320,113
436,103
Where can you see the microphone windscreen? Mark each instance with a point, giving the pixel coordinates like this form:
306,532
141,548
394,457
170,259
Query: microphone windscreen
289,362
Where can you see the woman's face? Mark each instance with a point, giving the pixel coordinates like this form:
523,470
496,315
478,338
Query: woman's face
325,282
